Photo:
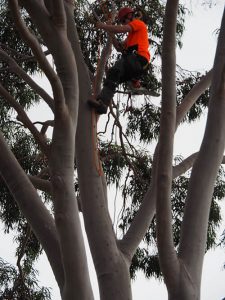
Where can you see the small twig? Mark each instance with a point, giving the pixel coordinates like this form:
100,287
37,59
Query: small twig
122,143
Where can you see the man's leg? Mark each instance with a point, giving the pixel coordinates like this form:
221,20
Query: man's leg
134,67
110,84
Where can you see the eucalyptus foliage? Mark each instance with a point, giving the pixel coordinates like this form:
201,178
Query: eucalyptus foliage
126,165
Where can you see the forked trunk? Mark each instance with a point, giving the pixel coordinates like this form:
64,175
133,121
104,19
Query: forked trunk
115,283
186,288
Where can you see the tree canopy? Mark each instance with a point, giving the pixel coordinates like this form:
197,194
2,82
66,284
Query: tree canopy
48,176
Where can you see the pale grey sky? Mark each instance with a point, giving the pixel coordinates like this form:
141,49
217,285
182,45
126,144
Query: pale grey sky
198,51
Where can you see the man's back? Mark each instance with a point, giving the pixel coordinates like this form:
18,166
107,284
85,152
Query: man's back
138,36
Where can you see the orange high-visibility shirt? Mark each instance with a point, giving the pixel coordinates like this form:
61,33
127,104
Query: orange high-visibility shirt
138,36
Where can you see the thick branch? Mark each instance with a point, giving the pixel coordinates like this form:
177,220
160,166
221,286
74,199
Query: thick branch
32,208
14,67
104,57
187,164
98,224
41,184
167,256
204,172
36,48
58,13
66,81
77,282
22,116
198,89
143,218
101,66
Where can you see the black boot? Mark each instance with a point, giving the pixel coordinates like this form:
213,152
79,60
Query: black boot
105,97
98,105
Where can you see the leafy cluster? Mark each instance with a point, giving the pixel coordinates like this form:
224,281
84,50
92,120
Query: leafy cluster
20,286
143,122
185,82
134,188
127,166
11,43
130,169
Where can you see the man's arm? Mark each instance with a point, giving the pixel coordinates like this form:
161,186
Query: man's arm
119,46
114,28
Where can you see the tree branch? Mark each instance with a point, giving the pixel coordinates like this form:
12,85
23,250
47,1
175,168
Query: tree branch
198,89
118,124
187,164
41,184
204,172
36,48
167,255
14,67
143,218
22,116
62,165
102,239
67,81
104,57
32,208
45,125
58,13
101,66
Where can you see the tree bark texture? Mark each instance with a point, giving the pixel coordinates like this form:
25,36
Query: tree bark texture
75,140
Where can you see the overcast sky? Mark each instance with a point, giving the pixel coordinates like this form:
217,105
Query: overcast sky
198,51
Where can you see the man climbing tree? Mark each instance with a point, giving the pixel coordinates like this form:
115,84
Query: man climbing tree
134,60
40,191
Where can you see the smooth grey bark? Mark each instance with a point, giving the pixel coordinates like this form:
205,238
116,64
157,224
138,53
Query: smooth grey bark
167,256
13,66
61,158
41,184
198,89
195,223
32,208
111,257
111,266
146,212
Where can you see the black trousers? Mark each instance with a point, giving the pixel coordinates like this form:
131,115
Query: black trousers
128,67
